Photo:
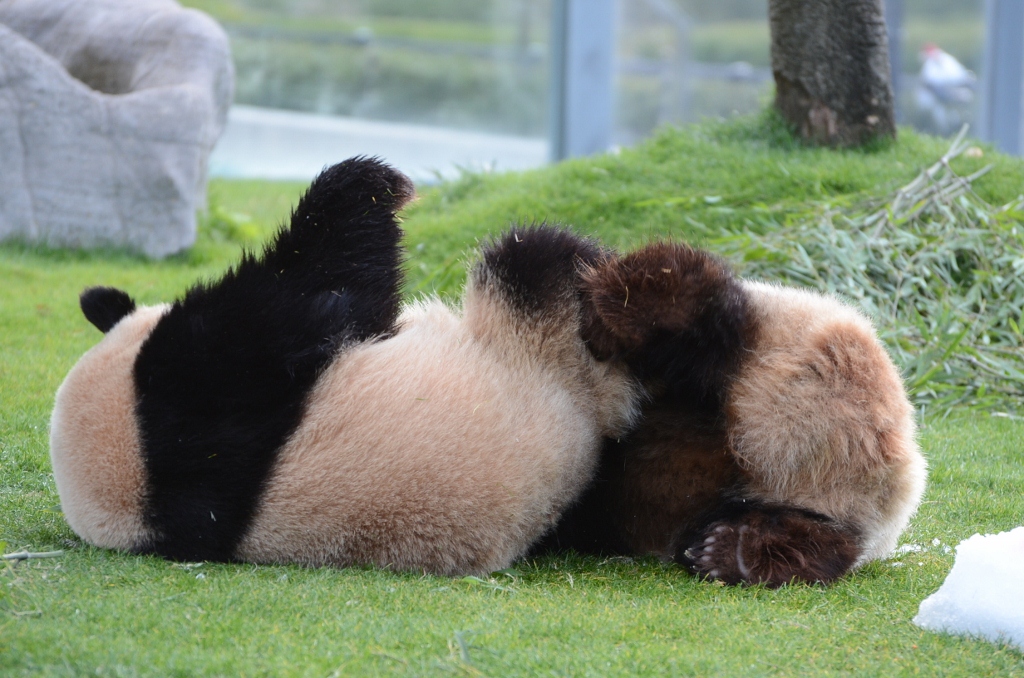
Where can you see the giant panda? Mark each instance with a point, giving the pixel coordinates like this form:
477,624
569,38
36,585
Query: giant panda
776,442
289,412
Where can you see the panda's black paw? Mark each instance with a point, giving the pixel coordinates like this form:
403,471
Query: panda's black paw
536,267
663,288
773,546
715,555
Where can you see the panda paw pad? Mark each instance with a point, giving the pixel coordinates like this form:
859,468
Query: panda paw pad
773,547
715,556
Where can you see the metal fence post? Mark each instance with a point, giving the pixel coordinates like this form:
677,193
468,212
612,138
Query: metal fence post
894,29
1002,75
582,51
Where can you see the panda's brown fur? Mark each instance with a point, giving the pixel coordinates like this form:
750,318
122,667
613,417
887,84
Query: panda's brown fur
777,442
438,440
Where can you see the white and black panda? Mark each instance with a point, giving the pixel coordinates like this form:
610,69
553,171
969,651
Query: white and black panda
287,413
777,442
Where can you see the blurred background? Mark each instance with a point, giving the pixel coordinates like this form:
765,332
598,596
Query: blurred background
439,85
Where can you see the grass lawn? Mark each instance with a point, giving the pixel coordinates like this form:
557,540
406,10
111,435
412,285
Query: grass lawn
94,612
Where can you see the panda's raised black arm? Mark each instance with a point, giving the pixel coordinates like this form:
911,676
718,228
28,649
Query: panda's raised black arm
344,239
349,209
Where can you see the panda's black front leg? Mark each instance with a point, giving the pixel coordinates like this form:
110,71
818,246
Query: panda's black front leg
676,315
536,269
755,543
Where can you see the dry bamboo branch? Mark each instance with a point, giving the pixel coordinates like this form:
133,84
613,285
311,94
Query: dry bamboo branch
931,186
28,555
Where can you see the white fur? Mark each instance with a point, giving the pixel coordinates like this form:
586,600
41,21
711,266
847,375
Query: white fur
819,417
449,447
94,438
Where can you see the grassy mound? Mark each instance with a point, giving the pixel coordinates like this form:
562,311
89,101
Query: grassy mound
694,183
939,269
942,280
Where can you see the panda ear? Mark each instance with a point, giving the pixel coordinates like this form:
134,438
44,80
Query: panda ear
105,306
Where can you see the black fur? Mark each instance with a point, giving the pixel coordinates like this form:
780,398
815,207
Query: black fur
664,478
536,266
589,525
222,380
754,542
681,322
679,318
729,509
105,306
695,364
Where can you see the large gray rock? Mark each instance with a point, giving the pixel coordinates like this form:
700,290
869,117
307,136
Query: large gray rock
108,112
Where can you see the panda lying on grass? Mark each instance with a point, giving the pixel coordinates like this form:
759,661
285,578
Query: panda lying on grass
288,413
775,443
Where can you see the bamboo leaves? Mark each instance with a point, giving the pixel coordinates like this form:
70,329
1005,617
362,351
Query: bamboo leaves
939,270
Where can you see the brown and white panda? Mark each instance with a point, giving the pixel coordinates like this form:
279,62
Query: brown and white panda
777,442
287,413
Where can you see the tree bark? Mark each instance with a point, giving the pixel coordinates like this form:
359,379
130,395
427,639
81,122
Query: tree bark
831,65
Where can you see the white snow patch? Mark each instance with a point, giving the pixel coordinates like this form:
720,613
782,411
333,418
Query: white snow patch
983,595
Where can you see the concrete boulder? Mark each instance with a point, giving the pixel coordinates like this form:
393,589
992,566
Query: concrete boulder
108,112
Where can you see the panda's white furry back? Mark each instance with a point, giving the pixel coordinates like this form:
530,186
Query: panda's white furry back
288,413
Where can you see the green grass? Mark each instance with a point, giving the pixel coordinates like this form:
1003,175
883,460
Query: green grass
93,612
100,613
691,183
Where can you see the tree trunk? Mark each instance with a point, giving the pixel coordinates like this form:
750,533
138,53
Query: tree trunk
831,65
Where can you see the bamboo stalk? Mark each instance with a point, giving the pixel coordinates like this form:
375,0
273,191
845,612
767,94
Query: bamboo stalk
936,184
28,555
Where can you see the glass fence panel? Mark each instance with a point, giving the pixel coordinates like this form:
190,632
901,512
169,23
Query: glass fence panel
439,85
684,60
940,64
432,85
